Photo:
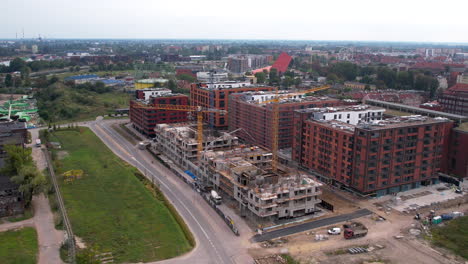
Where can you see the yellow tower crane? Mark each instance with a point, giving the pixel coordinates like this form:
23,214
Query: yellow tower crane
275,119
187,108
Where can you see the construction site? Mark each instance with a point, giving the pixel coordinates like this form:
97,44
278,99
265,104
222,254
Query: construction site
243,175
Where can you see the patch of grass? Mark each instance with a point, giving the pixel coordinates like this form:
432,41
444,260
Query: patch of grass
111,209
453,236
18,247
289,259
28,213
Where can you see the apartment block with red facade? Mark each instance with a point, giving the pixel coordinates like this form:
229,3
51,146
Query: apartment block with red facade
376,157
246,111
457,163
455,99
145,120
215,95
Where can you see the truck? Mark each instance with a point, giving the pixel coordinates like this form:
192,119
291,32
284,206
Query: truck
214,196
38,143
354,230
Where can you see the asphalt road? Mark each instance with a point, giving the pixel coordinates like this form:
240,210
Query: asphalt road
310,225
215,241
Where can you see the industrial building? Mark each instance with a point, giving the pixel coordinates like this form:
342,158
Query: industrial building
238,172
144,117
375,156
215,95
11,199
247,111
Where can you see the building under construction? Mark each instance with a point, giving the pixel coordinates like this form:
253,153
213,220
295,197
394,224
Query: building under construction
241,173
249,112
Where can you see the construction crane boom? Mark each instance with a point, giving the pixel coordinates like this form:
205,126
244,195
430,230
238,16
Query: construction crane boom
275,119
187,108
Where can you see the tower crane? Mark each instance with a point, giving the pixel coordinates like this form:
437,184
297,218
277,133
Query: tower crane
187,108
275,119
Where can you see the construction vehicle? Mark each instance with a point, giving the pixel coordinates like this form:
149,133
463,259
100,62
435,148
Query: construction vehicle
354,230
214,196
187,108
275,119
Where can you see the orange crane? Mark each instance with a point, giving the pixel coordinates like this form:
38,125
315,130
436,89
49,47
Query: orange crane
187,108
275,119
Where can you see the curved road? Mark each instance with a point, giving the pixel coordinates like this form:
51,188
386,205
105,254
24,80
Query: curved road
215,241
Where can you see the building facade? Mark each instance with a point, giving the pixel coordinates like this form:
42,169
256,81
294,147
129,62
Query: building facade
246,112
215,95
455,99
374,157
144,118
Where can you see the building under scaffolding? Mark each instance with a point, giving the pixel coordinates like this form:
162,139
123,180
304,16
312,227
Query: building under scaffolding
245,175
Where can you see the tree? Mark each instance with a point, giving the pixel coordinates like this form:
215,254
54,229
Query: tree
16,158
8,80
30,181
261,77
17,64
186,77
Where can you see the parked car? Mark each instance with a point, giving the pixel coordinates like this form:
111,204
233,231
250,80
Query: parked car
334,231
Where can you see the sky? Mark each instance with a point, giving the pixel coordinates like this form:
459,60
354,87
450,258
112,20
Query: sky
357,20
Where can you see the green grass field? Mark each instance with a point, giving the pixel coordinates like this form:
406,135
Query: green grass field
18,247
111,209
453,236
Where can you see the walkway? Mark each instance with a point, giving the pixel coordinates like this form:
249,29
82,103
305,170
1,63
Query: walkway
310,225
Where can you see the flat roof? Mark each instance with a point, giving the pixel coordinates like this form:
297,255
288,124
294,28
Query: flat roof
413,109
463,127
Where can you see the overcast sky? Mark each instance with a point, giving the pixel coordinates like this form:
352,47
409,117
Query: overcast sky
380,20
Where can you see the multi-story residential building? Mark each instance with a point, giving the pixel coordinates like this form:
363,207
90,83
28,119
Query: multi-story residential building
244,175
179,143
455,99
146,94
238,64
373,157
144,117
247,111
457,163
215,95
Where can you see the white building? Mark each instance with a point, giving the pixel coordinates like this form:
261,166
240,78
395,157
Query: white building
155,92
212,76
349,114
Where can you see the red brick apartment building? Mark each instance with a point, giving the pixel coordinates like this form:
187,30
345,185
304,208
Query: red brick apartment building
457,164
215,95
373,158
455,99
145,119
255,119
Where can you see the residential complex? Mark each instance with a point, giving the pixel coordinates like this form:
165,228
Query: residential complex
145,117
239,172
455,99
249,112
375,156
215,95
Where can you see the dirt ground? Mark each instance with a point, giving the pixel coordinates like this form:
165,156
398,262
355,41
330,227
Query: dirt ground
409,249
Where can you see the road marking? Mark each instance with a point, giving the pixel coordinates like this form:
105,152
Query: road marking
167,187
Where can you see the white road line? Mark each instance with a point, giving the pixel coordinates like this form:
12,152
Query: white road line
176,197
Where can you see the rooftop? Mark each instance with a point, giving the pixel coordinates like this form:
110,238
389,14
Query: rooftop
82,77
417,110
346,108
463,127
401,121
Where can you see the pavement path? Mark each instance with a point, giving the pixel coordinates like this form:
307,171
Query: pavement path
310,225
16,225
49,238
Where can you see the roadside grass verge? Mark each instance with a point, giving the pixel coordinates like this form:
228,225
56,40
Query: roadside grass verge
18,246
111,209
453,236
